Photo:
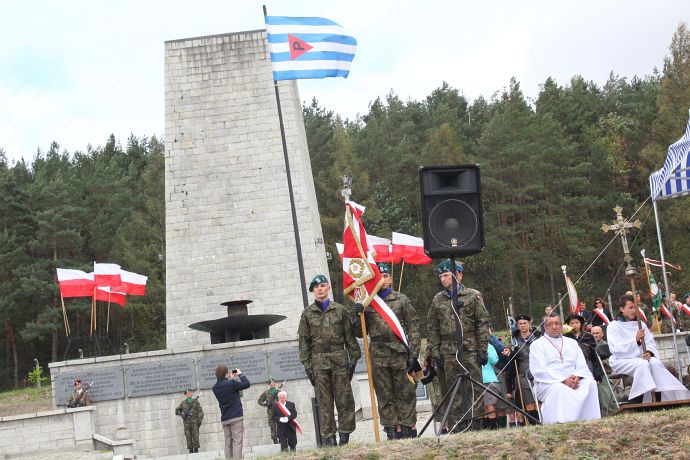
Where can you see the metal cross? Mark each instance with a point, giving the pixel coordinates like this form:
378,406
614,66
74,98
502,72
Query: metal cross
622,226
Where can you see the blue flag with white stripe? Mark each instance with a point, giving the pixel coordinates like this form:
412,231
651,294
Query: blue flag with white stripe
309,48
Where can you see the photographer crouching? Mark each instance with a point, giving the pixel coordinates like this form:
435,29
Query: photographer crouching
227,391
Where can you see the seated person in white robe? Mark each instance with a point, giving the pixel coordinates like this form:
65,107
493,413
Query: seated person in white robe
627,357
562,380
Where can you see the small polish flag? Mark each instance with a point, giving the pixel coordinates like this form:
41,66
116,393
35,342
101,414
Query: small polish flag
132,283
74,283
106,295
106,274
410,248
383,249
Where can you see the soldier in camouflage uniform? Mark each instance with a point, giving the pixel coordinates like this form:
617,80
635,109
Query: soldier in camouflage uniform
474,320
267,399
397,399
329,352
192,415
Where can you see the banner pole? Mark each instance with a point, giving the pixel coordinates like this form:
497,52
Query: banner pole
402,269
64,316
372,395
668,290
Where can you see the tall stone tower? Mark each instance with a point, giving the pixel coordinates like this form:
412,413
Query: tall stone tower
229,229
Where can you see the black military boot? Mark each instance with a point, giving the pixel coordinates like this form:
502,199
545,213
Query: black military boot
344,439
490,424
191,450
407,432
330,442
534,414
196,450
390,432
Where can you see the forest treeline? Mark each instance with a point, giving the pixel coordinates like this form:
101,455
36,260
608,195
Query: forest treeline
552,170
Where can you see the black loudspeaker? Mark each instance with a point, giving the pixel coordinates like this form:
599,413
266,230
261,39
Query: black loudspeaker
451,210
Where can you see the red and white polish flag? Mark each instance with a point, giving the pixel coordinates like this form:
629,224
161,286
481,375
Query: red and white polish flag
132,283
410,249
685,308
106,274
383,250
106,295
74,283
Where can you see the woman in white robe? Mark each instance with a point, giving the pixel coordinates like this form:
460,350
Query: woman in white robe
648,372
562,380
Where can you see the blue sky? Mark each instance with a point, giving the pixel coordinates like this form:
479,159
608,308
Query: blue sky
75,71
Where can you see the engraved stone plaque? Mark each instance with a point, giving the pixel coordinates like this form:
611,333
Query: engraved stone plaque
164,377
104,384
254,365
362,363
284,364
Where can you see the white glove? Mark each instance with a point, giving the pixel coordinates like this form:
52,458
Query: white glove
283,419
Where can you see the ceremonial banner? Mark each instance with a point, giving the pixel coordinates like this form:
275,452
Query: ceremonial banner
74,283
410,248
654,291
309,48
361,277
572,294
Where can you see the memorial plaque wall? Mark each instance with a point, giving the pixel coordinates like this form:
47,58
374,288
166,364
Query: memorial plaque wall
253,365
104,384
284,364
164,377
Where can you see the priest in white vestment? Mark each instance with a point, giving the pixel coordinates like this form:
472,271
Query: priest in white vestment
648,372
562,380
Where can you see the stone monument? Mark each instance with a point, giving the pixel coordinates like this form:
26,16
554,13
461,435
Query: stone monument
229,230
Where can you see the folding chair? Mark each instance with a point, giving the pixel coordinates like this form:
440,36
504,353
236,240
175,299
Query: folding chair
603,352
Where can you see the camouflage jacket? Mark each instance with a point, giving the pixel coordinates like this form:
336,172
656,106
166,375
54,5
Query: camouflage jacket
441,324
327,339
267,399
381,334
191,412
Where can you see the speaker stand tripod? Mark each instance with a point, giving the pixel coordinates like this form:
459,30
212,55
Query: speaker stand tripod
463,376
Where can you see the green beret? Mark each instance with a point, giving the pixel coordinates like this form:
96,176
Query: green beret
685,296
446,267
318,279
384,268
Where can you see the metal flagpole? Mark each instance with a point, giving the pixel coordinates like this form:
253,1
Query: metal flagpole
668,289
402,269
295,225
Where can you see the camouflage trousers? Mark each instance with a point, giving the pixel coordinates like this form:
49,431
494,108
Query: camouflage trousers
447,378
333,386
273,425
191,432
396,395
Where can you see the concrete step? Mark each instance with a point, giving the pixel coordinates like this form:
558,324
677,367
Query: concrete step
208,455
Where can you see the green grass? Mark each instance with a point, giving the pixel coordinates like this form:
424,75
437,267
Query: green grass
31,394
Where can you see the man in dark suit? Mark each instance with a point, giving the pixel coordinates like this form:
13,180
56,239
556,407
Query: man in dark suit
284,413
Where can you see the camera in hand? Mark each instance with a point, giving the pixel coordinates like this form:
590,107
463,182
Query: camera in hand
234,371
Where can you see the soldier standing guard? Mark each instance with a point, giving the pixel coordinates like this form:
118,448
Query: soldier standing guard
391,361
474,322
329,352
192,414
267,399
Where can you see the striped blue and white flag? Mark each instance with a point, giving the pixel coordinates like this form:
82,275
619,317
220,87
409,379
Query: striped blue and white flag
674,178
309,48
